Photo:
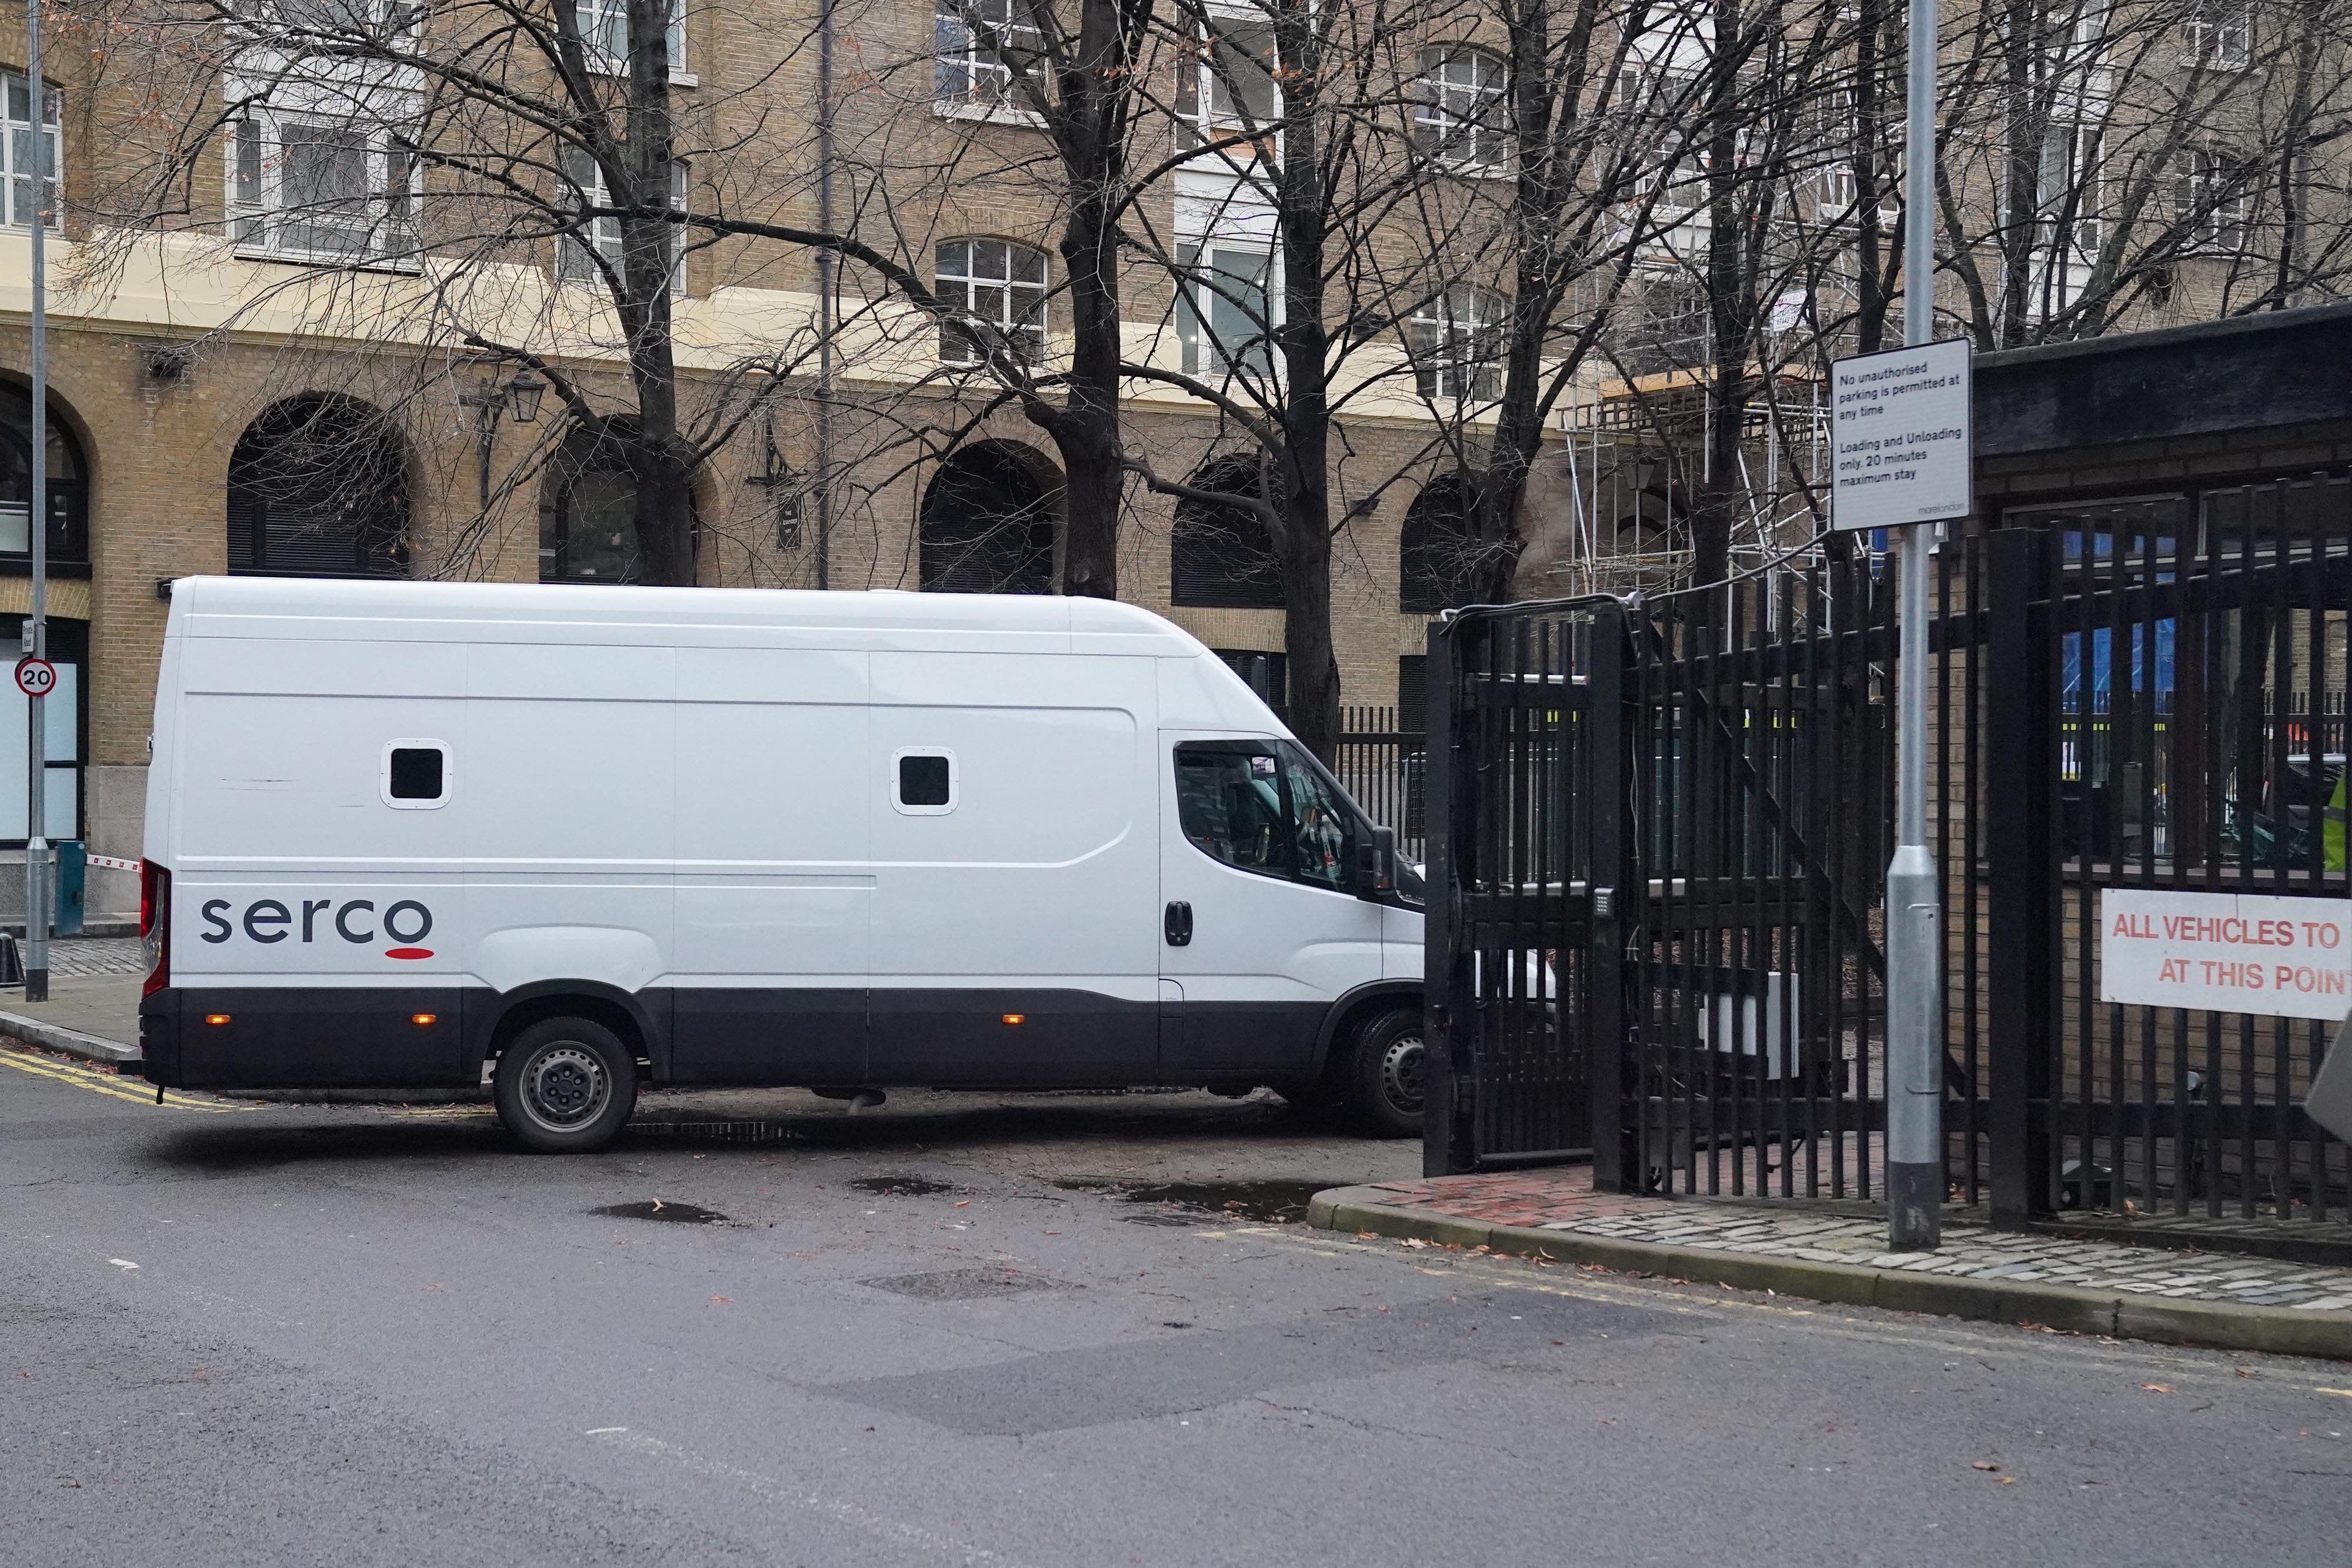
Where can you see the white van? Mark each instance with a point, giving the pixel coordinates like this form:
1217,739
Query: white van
564,839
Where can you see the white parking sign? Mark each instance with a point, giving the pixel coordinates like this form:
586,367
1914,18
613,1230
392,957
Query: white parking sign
1899,439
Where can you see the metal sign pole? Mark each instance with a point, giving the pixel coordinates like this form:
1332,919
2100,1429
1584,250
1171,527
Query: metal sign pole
37,844
1915,1079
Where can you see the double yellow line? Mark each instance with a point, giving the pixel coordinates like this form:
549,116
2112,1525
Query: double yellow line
108,1084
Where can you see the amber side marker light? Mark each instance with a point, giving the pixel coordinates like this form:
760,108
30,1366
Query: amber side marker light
423,1017
1016,1018
216,1018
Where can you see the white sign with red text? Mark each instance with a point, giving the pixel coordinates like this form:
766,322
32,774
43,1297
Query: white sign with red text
2226,952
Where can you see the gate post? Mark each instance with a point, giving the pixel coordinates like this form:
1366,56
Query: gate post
1616,1156
1446,1148
2020,718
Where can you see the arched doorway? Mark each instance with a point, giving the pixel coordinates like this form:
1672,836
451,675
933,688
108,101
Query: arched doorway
1437,556
1222,555
987,523
69,486
318,487
588,513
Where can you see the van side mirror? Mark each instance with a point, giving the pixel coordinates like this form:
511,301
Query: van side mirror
1376,864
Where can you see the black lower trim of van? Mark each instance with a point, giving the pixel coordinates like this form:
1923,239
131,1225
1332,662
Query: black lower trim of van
957,1037
253,1037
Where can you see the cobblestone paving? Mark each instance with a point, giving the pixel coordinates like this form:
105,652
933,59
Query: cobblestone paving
96,956
1566,1202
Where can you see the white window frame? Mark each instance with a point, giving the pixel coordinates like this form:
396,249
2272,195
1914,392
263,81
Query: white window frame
261,224
572,263
2083,147
448,774
1021,302
955,781
2217,206
969,39
2219,35
1455,341
17,151
605,38
1197,298
1463,125
1205,109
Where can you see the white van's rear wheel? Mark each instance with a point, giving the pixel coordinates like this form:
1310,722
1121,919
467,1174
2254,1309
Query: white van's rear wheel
565,1086
1385,1075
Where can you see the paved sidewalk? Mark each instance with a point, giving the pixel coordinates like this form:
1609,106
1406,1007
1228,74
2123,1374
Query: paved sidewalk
2066,1283
94,1006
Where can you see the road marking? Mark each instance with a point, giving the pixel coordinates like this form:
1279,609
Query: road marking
104,1083
772,1490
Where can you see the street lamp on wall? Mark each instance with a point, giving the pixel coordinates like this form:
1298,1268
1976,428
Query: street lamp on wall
519,396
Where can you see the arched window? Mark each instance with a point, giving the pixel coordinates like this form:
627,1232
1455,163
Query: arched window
1001,283
1439,555
1223,554
1461,119
986,525
318,487
68,486
588,513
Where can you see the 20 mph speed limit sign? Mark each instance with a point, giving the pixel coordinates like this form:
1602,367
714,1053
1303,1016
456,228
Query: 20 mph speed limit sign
36,677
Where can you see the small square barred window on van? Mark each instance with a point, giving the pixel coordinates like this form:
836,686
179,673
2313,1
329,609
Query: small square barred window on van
925,782
415,774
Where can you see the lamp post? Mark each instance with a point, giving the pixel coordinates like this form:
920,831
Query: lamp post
1915,1057
36,624
521,393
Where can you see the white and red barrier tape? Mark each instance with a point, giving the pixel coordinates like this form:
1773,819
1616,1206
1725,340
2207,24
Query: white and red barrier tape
109,862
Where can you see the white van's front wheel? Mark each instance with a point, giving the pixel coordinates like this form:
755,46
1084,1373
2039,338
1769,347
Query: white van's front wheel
1385,1075
566,1086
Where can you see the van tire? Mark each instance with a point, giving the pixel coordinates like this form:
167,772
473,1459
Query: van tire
1384,1075
565,1086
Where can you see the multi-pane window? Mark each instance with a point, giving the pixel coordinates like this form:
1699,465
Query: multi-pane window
2218,36
24,157
979,49
2213,198
605,34
1002,286
2072,176
1225,87
578,254
322,188
1461,118
1222,308
1456,341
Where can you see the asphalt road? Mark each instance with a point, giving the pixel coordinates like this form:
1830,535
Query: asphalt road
328,1334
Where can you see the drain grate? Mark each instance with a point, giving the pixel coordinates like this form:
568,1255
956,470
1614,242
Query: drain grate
966,1284
718,1132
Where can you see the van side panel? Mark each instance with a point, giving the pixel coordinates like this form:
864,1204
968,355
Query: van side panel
570,821
775,893
1032,895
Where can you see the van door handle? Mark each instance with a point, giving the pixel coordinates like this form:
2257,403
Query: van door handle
1179,925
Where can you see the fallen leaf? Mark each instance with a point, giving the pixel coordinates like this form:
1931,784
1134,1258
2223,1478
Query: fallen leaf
2009,1480
1415,1241
2157,1387
719,1299
1984,1465
2245,1371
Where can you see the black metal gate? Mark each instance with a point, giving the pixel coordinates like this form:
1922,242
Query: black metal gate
1659,830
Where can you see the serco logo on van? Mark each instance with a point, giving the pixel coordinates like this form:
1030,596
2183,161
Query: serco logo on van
266,920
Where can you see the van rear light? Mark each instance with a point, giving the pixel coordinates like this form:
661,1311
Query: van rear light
156,925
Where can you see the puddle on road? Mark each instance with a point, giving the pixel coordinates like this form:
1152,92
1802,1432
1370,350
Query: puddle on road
664,1210
1266,1202
902,1186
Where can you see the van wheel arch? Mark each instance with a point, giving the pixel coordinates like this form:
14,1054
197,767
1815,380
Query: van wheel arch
1350,1016
568,1003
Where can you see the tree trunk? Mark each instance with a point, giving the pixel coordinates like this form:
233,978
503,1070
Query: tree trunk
1303,510
2024,130
1872,169
648,255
